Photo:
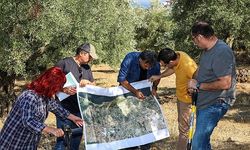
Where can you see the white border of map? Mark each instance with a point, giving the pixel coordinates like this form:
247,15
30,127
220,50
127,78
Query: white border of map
131,142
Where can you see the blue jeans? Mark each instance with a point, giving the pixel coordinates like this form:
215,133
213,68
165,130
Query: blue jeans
76,138
206,121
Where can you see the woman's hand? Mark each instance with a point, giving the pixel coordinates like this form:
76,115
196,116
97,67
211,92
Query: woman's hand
55,131
77,120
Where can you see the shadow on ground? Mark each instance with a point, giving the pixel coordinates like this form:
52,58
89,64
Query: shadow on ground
231,145
104,71
170,144
166,95
165,144
241,109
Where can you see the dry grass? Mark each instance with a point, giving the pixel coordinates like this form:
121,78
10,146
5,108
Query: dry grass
232,132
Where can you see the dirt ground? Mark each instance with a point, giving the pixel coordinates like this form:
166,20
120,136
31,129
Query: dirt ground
232,132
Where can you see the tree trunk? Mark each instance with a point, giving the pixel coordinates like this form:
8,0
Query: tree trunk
7,93
230,41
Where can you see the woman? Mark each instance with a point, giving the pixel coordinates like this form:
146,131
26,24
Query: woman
25,123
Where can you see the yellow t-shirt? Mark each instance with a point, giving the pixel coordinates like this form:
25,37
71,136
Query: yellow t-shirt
184,72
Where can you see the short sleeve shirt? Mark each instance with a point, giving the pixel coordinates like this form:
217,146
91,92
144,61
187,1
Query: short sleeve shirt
83,72
214,63
184,72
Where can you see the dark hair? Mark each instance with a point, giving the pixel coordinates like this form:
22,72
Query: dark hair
166,55
84,47
149,57
202,28
48,83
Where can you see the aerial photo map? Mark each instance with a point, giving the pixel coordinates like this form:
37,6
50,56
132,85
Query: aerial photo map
115,118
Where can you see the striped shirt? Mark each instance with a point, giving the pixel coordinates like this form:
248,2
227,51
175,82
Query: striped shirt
23,127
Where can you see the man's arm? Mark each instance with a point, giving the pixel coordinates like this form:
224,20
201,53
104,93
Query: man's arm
124,69
165,73
130,88
154,87
222,83
155,84
223,66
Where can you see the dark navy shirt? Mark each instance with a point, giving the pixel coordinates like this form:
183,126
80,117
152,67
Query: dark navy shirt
130,68
84,72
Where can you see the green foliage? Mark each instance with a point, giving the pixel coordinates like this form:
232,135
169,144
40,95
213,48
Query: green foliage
155,28
14,50
36,34
230,20
110,26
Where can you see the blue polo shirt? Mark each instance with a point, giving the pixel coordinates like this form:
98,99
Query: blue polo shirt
130,68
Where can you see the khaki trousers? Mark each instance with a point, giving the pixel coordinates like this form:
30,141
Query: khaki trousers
184,111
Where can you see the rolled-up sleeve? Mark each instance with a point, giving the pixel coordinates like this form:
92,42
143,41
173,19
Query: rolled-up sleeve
57,109
124,68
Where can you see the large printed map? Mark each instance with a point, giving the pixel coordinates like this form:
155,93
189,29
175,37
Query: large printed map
115,119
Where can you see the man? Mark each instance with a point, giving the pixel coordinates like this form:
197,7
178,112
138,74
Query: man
215,81
78,66
184,67
138,66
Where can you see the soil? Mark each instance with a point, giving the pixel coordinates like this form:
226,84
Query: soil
232,132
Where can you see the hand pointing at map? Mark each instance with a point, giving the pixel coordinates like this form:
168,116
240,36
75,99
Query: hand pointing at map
139,95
